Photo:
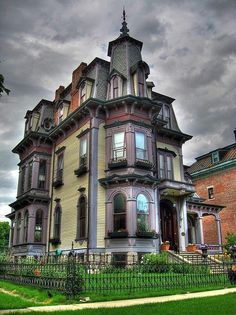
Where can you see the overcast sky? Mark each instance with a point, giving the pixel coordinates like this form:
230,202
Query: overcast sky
190,47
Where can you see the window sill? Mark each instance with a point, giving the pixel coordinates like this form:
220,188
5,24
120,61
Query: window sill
55,241
57,183
117,163
118,234
147,234
143,164
81,170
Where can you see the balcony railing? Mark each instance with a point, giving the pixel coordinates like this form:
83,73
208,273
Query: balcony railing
58,179
82,166
118,158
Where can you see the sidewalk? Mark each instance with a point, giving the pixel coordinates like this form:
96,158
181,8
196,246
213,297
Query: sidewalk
121,303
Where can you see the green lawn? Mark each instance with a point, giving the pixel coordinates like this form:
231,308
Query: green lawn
223,305
11,302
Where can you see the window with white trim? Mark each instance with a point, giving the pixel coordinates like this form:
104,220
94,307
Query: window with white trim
83,151
165,165
119,150
210,191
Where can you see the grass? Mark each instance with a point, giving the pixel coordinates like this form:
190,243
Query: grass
223,305
12,302
33,295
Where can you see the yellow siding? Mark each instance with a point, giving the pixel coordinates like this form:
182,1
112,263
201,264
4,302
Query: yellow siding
176,160
101,191
68,193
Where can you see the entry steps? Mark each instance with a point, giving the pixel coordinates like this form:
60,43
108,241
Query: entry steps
196,258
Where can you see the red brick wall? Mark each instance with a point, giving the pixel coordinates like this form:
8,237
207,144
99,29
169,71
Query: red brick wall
224,183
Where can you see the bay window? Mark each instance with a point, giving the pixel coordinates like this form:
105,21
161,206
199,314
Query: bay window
119,151
38,226
119,213
140,146
142,213
42,174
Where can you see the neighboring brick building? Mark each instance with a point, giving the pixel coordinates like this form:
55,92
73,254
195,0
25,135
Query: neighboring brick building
214,176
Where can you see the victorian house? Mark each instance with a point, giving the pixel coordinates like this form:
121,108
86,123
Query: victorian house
101,165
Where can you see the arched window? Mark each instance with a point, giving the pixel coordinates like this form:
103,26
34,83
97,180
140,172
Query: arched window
57,223
115,87
140,83
18,228
81,225
38,231
119,213
142,213
26,223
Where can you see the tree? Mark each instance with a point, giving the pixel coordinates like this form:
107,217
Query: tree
2,87
4,235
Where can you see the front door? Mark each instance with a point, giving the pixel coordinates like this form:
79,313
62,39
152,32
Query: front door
169,229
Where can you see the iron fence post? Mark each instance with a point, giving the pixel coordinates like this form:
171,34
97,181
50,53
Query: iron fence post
71,287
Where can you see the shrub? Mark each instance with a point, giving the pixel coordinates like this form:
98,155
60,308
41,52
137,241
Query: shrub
230,241
156,263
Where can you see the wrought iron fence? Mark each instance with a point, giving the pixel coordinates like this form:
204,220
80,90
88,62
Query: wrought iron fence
97,273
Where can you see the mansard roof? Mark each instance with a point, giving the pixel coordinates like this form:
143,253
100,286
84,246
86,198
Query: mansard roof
227,156
122,39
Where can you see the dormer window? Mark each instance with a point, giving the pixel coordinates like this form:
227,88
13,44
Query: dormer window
115,87
215,157
60,114
140,83
166,115
82,92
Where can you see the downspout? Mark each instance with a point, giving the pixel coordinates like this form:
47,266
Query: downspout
156,170
52,190
89,184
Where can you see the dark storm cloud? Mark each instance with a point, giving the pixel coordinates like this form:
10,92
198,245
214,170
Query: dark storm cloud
189,45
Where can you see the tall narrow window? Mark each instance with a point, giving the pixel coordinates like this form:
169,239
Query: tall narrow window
83,152
30,175
166,112
42,174
210,192
119,151
60,162
140,83
119,213
161,166
18,229
165,166
57,223
169,169
140,146
26,222
82,92
115,87
38,226
142,213
81,226
60,114
22,180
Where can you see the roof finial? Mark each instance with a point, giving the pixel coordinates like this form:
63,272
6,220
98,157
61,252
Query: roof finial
124,30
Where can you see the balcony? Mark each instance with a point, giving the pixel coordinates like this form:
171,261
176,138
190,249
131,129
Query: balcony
58,180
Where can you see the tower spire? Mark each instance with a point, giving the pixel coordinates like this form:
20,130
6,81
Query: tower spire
124,30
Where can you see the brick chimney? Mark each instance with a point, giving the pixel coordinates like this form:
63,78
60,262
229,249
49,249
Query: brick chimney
76,75
58,92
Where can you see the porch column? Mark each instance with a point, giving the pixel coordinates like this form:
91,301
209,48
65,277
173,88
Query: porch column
218,227
200,236
183,225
